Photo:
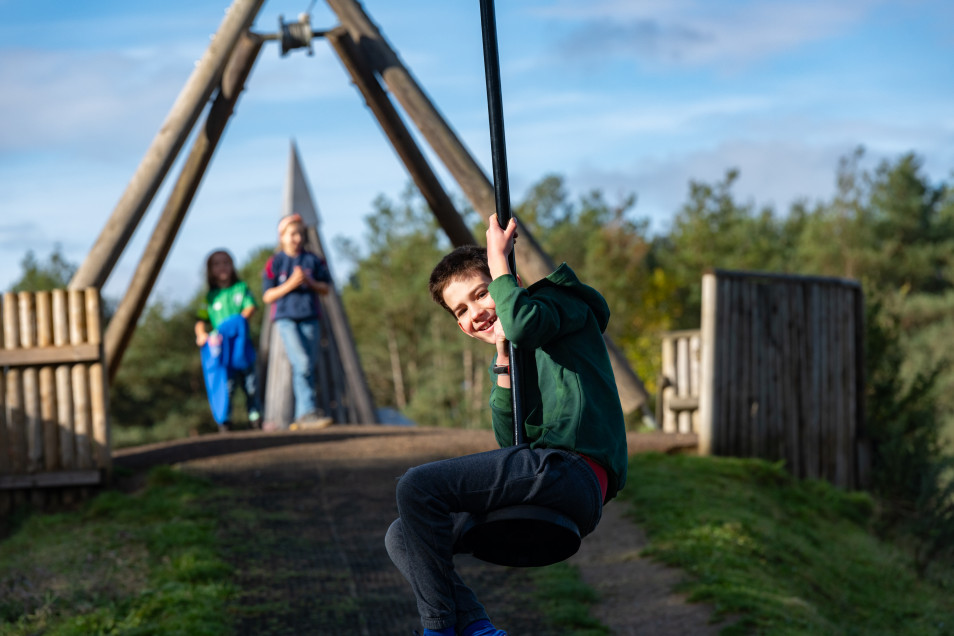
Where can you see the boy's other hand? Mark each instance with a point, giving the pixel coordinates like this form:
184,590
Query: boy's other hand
500,340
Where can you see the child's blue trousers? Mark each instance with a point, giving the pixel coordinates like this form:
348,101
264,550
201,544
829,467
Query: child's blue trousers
433,501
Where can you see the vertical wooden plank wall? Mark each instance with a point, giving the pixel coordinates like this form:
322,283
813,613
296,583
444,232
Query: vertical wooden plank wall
54,425
781,372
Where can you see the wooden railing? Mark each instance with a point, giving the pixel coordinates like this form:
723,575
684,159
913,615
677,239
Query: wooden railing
677,404
54,422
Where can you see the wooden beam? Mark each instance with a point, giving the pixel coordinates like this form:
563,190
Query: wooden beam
56,479
123,324
69,354
161,154
680,404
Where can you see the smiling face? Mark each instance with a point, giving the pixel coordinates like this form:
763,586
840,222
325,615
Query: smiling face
471,304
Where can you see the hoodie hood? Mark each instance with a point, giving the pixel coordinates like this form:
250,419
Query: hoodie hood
566,278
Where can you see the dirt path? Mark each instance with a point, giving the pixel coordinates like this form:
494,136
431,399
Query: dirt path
307,536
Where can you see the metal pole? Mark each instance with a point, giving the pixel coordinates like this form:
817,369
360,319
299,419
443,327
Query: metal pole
498,151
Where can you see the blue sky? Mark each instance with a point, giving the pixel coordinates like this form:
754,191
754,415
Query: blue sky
628,96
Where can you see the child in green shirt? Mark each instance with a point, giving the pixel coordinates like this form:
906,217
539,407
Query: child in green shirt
228,297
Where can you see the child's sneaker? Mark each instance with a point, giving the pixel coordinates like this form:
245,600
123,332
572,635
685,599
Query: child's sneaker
311,421
482,627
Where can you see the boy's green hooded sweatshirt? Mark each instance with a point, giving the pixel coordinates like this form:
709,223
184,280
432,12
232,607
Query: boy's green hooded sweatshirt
570,399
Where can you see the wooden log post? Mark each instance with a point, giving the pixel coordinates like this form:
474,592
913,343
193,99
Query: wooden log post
48,410
532,262
683,418
123,324
279,394
31,387
14,387
79,376
707,369
98,386
64,384
161,154
666,417
15,416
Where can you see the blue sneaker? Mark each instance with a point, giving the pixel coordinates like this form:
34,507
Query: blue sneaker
482,627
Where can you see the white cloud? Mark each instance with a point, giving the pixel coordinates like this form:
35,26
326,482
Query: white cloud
698,33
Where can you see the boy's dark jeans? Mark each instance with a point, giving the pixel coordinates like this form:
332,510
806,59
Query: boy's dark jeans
433,501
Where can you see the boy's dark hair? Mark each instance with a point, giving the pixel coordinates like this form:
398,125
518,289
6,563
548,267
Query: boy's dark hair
208,269
465,260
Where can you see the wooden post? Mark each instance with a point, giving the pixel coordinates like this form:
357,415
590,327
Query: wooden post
683,419
17,450
279,393
48,410
31,388
123,324
173,132
80,381
666,417
707,368
532,262
98,387
14,387
64,385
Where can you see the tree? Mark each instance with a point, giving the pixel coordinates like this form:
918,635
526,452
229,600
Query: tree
411,350
711,231
54,274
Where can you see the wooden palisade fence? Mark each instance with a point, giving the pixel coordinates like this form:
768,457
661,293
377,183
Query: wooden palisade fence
54,423
782,372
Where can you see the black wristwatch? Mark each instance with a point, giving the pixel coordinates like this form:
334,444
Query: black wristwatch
501,369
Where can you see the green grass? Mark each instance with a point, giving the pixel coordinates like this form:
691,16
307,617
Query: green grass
778,556
123,564
564,600
771,554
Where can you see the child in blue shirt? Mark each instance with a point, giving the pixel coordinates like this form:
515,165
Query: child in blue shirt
292,280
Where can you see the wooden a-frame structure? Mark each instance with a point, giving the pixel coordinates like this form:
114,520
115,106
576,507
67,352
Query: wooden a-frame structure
222,72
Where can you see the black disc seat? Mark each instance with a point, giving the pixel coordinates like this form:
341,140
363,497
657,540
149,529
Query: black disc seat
520,536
